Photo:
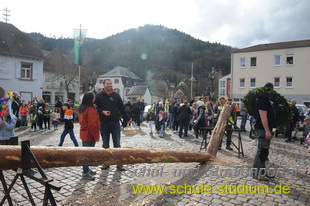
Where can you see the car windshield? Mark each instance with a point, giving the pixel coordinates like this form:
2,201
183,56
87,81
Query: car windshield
302,109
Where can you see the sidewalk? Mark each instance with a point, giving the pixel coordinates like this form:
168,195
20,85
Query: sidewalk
113,187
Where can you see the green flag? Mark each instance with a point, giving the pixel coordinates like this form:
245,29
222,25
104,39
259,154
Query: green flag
79,36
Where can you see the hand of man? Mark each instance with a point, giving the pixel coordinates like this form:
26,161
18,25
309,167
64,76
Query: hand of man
195,121
268,135
106,113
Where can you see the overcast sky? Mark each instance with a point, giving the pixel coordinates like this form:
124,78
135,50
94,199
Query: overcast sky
238,23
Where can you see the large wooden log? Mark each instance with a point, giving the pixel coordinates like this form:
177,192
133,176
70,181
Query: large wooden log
10,156
218,131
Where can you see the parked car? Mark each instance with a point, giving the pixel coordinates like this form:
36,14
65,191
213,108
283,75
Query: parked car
303,113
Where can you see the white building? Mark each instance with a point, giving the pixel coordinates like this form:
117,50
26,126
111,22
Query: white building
58,67
224,86
21,63
122,80
285,64
142,92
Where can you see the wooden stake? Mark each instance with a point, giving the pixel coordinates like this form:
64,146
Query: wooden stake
218,131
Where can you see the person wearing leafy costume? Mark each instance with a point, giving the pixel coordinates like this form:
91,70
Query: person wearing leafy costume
270,110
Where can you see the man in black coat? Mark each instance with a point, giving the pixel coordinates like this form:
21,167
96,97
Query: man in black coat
110,108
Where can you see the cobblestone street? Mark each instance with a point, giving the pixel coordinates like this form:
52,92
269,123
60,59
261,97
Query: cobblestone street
113,187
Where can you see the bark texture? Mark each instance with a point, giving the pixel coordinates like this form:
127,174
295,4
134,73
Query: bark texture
10,156
218,131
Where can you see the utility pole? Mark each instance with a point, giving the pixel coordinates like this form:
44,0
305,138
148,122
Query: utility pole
192,79
6,15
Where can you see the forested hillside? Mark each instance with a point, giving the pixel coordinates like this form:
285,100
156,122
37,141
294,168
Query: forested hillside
168,53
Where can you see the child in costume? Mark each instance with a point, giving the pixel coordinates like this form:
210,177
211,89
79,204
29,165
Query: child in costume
68,120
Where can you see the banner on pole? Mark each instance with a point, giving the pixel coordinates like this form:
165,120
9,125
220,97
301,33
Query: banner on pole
79,36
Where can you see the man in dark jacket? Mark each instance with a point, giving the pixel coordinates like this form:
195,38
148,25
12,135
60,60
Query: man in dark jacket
265,119
184,115
110,108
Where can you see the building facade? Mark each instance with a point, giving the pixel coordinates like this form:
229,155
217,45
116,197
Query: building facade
59,72
285,64
224,86
21,63
122,79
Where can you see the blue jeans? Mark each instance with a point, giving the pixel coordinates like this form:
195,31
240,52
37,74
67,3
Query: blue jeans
107,128
87,144
141,116
243,122
162,129
64,134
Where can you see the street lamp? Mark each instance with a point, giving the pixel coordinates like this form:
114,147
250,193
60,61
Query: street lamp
212,76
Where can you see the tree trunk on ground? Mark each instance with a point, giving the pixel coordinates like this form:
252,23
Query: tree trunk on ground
10,156
218,131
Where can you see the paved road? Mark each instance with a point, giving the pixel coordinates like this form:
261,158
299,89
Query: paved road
113,187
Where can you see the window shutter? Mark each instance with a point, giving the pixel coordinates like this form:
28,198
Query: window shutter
17,70
34,72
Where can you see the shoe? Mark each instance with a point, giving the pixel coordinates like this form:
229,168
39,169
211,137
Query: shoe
88,176
294,138
32,130
120,168
92,172
261,178
180,136
229,148
288,140
161,136
105,167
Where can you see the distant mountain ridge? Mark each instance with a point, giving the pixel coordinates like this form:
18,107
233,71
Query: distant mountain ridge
165,53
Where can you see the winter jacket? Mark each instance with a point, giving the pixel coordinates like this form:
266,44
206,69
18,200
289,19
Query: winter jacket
23,110
184,113
7,130
90,125
68,119
110,102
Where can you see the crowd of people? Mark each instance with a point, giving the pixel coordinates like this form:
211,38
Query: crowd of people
105,112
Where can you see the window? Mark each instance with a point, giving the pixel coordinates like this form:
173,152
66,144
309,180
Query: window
127,81
48,79
116,81
127,91
116,90
276,82
289,60
277,60
46,96
222,84
252,82
26,71
222,93
289,82
242,83
242,62
253,61
100,81
135,83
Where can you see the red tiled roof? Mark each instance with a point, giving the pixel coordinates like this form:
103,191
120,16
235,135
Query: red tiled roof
273,46
15,42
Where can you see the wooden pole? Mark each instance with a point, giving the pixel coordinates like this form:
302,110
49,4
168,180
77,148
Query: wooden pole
218,131
10,156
